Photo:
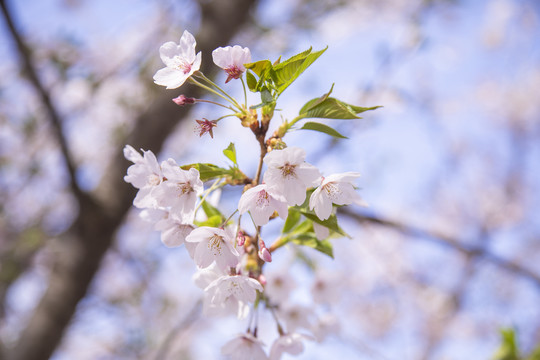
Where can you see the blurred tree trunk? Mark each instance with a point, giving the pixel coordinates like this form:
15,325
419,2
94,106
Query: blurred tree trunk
79,251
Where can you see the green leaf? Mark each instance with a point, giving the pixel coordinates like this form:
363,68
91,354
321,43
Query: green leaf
264,70
210,210
212,221
251,81
322,128
259,67
314,102
266,96
331,223
508,349
292,219
230,153
208,171
286,72
310,240
332,108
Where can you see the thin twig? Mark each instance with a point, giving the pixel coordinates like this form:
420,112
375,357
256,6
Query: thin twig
445,240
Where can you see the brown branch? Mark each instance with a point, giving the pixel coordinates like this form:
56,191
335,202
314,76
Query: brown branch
445,240
81,249
53,115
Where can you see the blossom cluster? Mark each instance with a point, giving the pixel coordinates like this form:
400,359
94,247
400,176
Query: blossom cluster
230,261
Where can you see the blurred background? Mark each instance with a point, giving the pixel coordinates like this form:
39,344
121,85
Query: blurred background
447,254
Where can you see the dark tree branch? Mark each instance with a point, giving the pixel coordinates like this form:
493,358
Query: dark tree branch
53,115
80,251
442,239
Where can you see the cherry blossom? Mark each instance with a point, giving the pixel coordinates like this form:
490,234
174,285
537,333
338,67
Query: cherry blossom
214,244
203,278
205,126
327,287
145,174
174,228
337,189
288,343
326,325
239,287
288,175
181,189
279,286
261,205
296,316
180,60
244,347
232,60
321,232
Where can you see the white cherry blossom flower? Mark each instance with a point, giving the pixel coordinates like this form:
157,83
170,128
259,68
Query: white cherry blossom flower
180,60
326,325
181,189
288,343
279,286
241,287
213,244
261,204
288,175
296,316
174,228
232,60
145,174
244,347
321,232
326,288
337,189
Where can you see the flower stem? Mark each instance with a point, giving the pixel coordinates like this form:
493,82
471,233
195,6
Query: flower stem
214,186
207,88
211,83
245,92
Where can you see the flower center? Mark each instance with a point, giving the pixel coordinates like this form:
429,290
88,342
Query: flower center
234,72
214,244
182,64
153,180
332,191
262,199
184,188
288,170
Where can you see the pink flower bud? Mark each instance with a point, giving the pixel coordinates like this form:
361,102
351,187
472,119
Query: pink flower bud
183,100
241,239
265,255
262,279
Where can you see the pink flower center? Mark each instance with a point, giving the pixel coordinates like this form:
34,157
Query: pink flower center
288,170
184,188
234,72
262,199
182,65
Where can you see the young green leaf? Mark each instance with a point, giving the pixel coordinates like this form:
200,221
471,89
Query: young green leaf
286,72
213,221
331,223
332,108
230,153
251,81
292,219
310,240
208,171
322,128
210,210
